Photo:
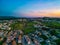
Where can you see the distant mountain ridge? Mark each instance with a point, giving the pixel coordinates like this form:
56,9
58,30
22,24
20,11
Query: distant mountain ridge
7,17
12,17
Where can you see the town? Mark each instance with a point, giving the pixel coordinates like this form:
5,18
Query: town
30,31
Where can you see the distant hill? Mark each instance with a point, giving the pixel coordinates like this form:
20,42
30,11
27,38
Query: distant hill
7,17
51,18
12,17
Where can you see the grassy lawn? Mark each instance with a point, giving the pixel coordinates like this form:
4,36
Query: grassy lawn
27,28
17,26
52,24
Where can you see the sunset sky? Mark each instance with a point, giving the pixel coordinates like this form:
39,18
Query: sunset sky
30,8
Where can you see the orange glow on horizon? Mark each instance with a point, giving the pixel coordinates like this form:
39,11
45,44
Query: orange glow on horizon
54,13
41,13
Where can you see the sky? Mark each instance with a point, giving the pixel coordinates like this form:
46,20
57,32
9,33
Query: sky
30,8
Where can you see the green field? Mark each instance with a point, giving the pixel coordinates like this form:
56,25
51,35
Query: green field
55,25
27,27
